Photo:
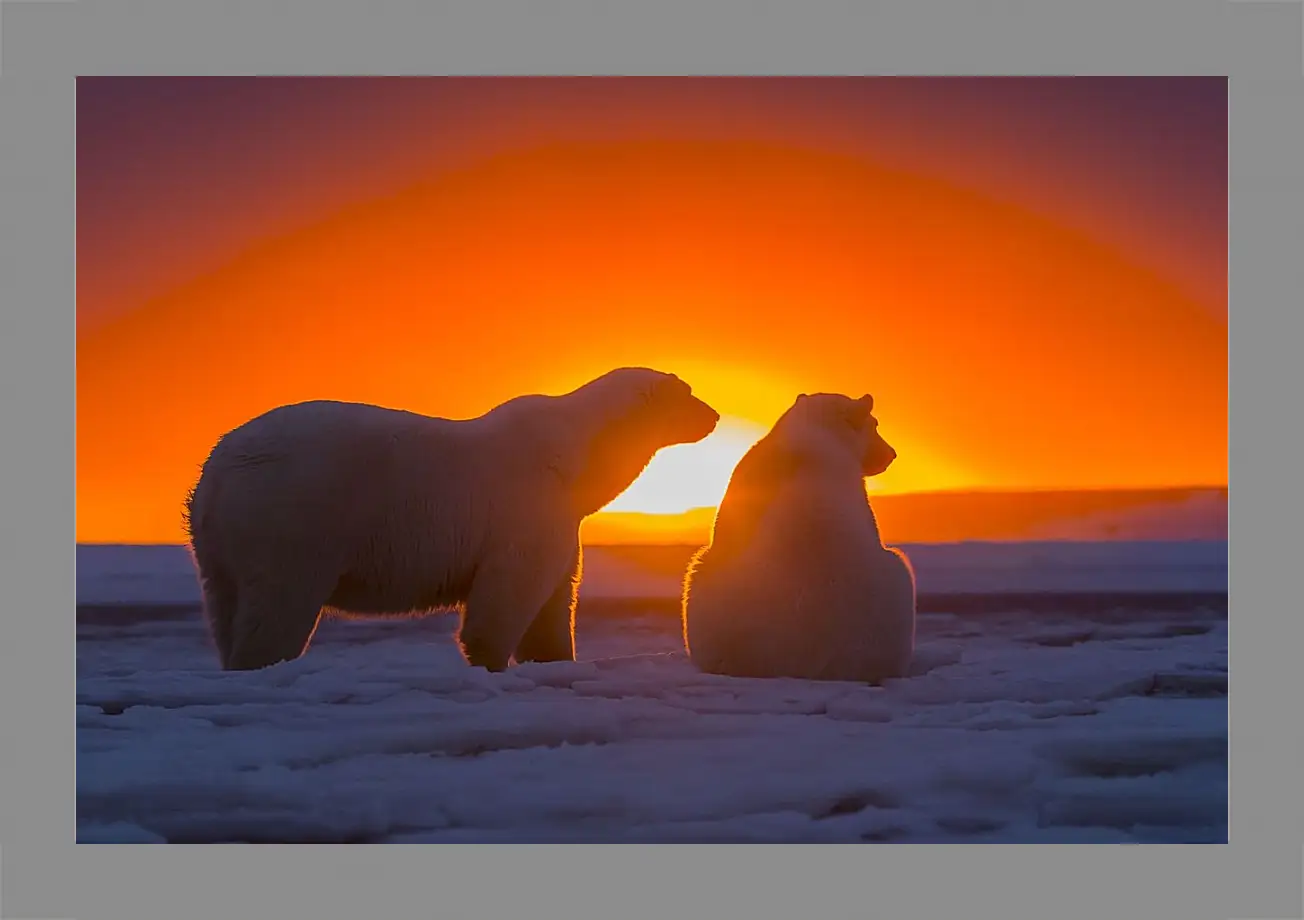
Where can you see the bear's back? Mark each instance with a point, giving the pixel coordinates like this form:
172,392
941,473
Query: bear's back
333,418
804,551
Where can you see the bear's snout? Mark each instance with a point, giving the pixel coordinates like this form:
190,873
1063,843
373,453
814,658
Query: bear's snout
691,421
879,457
704,418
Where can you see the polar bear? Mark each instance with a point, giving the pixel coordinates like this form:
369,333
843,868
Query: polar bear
367,511
796,581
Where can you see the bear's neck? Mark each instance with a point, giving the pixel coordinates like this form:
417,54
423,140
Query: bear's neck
613,455
609,469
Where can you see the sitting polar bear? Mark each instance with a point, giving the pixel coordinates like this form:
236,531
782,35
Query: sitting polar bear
372,512
796,581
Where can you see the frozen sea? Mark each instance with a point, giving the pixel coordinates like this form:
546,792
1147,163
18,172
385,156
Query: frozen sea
1062,693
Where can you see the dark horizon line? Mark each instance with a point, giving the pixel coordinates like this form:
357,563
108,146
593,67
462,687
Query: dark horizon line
930,493
991,490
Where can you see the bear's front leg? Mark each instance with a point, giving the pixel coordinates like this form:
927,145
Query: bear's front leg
511,587
551,636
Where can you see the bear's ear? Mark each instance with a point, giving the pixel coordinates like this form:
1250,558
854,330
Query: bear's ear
648,390
859,412
666,387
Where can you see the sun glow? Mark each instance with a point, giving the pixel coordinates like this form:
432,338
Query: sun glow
689,476
759,239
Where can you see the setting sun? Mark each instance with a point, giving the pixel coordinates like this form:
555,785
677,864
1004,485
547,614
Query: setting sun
690,476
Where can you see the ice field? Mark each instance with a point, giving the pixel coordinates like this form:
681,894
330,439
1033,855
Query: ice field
1063,693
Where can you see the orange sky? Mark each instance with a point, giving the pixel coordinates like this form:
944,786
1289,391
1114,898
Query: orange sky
1055,320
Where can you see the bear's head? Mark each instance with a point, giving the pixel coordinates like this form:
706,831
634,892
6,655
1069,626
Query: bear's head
831,434
634,412
821,423
653,406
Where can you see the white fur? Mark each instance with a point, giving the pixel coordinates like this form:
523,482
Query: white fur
796,581
371,511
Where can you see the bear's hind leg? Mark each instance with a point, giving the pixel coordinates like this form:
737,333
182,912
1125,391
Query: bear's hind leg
220,605
274,622
893,646
551,635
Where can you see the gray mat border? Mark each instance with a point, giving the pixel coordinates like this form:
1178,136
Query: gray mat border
46,42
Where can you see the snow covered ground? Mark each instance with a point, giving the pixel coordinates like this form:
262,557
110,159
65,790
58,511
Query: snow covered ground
110,574
1088,724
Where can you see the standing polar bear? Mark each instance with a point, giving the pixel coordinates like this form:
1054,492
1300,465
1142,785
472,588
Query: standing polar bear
796,581
370,511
